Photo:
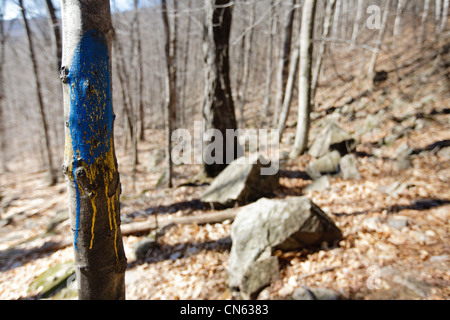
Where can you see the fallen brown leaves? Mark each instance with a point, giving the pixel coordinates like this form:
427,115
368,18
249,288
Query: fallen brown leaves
190,261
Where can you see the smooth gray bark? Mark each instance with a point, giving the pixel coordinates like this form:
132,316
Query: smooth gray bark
304,100
293,69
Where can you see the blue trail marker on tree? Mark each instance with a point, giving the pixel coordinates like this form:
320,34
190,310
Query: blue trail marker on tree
90,163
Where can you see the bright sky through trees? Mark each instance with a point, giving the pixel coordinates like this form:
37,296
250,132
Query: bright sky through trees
37,7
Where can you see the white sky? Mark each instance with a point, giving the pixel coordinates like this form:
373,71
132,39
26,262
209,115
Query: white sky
37,7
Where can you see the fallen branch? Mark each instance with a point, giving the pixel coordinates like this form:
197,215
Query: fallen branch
318,272
146,226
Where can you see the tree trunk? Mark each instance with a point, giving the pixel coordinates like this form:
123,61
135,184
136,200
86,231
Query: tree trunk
322,47
283,63
359,12
171,83
423,24
56,34
272,25
3,167
337,13
398,17
380,38
183,104
293,69
248,42
444,16
90,163
437,16
218,107
139,72
47,144
124,81
304,101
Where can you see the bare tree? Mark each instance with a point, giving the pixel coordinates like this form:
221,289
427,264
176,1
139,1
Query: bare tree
444,16
437,16
56,34
269,62
124,81
357,22
304,103
379,42
283,63
48,151
337,13
90,163
398,17
218,105
139,71
293,69
3,167
248,42
184,73
423,24
326,29
171,81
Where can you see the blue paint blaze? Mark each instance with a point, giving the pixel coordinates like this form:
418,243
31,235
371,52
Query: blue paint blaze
91,114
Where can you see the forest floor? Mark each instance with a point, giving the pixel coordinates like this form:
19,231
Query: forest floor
373,261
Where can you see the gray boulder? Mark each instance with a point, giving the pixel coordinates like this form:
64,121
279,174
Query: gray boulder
328,163
321,184
332,138
49,282
403,157
144,245
398,222
349,167
304,293
243,181
270,224
403,285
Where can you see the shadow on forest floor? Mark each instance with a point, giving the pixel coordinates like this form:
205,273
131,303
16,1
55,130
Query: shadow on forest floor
436,145
294,175
16,257
185,206
161,252
419,204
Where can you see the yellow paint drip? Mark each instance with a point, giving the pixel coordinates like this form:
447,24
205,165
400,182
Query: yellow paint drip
94,209
92,173
115,227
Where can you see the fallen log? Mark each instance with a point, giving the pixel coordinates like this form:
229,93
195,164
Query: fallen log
146,226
